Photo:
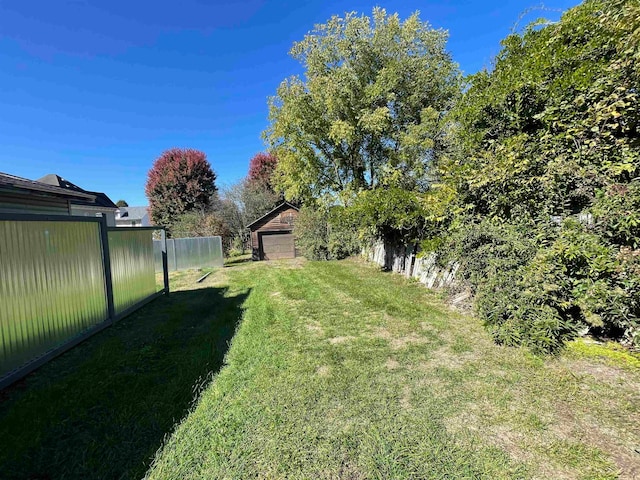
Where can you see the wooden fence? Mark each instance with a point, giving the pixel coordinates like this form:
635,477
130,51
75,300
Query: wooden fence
406,261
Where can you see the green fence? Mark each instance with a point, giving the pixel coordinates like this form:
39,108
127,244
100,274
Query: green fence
132,267
63,279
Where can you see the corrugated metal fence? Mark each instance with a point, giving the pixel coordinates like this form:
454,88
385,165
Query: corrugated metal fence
63,279
132,267
186,253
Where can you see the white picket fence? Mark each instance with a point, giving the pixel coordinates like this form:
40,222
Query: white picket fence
403,260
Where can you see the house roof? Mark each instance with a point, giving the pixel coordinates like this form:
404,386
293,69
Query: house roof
99,198
12,182
268,214
132,213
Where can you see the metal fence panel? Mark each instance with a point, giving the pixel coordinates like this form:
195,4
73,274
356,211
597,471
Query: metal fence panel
186,253
52,287
132,266
198,252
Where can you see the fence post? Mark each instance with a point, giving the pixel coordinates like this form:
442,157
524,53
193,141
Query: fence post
106,261
175,254
165,261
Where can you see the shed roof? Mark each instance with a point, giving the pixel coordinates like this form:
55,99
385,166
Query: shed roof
277,208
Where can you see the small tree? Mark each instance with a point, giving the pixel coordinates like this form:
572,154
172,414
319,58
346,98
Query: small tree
242,203
121,203
180,181
202,224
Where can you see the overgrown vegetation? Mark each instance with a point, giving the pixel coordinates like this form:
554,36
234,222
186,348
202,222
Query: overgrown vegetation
551,155
528,175
326,234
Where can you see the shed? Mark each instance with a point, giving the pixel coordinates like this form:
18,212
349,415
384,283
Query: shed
272,234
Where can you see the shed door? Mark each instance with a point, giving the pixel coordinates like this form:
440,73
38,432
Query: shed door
277,245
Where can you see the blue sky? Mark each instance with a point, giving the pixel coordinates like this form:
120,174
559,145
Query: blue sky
95,90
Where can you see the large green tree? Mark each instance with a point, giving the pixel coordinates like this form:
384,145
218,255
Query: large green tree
370,109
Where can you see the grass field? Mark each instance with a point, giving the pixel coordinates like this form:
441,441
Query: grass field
337,371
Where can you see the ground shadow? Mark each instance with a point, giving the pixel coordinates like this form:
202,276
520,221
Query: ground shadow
102,409
237,261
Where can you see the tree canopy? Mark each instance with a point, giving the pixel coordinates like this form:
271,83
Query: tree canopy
370,110
526,174
180,181
261,168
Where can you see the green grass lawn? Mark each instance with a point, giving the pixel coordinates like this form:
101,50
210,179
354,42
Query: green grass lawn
336,371
341,371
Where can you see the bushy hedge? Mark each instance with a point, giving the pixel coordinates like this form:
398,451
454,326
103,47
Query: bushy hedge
326,234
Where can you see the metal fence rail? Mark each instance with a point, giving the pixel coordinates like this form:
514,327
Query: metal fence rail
62,279
186,253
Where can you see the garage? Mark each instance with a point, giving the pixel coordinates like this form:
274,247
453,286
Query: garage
277,245
272,234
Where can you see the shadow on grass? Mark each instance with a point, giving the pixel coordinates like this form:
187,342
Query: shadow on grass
237,261
102,409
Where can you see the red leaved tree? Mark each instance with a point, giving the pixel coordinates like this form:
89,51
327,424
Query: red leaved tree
180,181
261,168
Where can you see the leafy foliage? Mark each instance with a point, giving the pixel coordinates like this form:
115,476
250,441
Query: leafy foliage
528,176
326,234
552,133
244,202
202,224
370,108
180,181
261,168
121,203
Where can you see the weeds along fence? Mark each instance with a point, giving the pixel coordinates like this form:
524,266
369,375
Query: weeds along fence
63,279
187,253
404,260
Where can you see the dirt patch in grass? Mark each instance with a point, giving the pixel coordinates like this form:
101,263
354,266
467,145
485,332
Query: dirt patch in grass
605,373
406,340
338,340
568,426
392,364
443,357
398,342
323,371
315,328
381,332
405,399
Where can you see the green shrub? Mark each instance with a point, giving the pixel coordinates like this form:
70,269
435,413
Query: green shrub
576,282
326,234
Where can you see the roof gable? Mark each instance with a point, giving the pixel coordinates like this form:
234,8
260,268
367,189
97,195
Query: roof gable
133,213
281,206
23,184
100,199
